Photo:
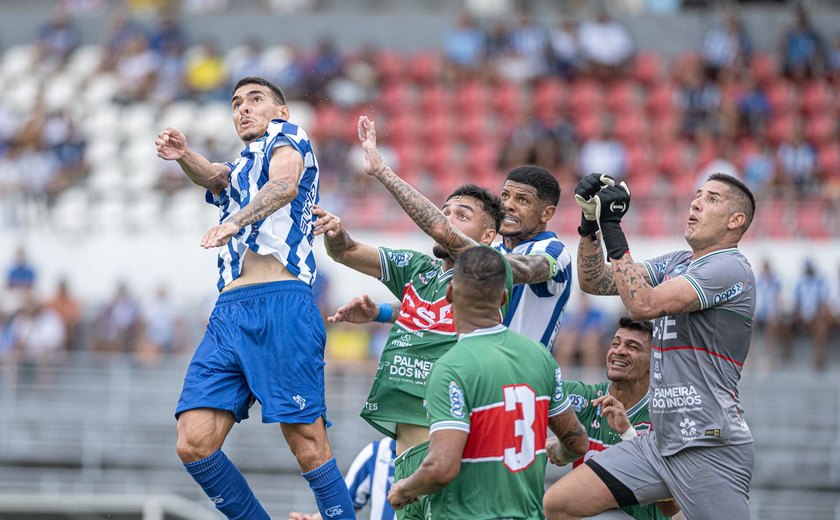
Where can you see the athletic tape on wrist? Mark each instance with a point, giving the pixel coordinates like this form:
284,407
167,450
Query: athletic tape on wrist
629,434
385,313
552,262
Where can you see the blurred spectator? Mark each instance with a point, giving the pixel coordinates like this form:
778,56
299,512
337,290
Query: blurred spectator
769,313
605,45
760,166
833,60
22,274
206,78
169,80
529,40
699,100
798,162
722,160
70,311
565,49
322,67
167,32
498,40
39,336
579,340
803,51
603,154
812,314
57,38
162,323
464,47
527,142
246,63
123,30
117,327
727,45
753,108
136,70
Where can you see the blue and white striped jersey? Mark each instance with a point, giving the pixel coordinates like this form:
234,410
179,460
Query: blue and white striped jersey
287,233
370,478
536,309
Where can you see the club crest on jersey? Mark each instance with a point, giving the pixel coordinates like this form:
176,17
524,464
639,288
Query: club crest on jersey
427,276
730,293
456,400
400,258
660,266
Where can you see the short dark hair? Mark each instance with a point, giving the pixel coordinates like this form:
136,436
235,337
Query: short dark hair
482,272
491,204
644,326
548,189
744,198
279,97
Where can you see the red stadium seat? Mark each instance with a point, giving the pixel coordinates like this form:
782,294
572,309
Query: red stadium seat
647,68
821,128
403,128
660,100
811,219
472,97
781,127
438,128
425,68
783,96
396,97
436,99
389,64
829,161
631,128
586,97
764,67
476,129
623,98
818,98
588,125
507,99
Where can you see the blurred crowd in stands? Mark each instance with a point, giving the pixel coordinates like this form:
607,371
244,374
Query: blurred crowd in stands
38,332
572,94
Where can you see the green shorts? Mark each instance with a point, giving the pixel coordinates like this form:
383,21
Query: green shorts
406,464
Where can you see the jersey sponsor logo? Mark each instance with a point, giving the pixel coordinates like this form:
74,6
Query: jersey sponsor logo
558,389
512,431
408,366
417,314
456,400
427,276
728,294
400,258
688,430
676,399
660,266
371,407
578,402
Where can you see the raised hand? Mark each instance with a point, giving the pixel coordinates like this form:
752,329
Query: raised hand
171,144
614,411
585,192
326,223
374,163
357,310
612,203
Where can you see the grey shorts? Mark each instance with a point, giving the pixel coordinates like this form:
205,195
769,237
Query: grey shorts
708,483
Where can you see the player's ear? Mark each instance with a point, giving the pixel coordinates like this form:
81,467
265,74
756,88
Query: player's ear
504,297
547,213
284,112
449,293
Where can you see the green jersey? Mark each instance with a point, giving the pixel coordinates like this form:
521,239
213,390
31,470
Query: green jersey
500,387
602,436
424,331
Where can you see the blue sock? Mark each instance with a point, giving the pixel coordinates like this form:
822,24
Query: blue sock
226,487
330,491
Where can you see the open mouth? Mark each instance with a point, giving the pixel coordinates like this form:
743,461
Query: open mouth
510,220
619,363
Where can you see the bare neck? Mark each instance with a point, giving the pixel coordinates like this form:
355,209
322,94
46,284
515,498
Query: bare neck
469,321
630,392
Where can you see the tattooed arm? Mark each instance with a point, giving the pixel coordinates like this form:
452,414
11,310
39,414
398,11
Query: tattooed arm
284,173
529,268
644,302
594,274
574,441
426,215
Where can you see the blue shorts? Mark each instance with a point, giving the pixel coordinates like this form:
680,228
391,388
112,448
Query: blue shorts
263,343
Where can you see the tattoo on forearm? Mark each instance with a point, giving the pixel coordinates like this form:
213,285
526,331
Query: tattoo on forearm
273,195
528,268
574,440
425,214
337,245
594,272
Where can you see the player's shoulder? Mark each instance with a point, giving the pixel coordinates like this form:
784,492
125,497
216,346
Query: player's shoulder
282,127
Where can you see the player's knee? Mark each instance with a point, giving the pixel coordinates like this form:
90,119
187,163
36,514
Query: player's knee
191,449
553,506
310,455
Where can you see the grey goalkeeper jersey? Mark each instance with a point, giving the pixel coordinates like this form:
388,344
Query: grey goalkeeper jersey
697,357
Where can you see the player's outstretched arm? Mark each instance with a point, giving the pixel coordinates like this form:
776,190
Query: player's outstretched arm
532,268
426,215
172,146
572,436
343,249
284,171
364,310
